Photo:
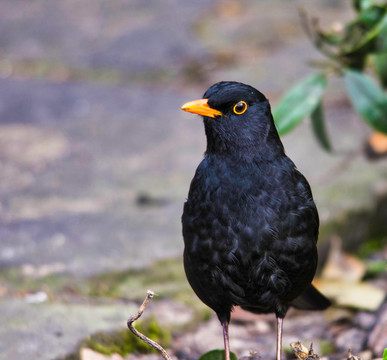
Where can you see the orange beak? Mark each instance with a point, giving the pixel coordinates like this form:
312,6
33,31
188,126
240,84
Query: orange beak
200,107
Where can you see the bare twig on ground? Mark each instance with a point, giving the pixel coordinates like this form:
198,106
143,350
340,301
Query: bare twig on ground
136,316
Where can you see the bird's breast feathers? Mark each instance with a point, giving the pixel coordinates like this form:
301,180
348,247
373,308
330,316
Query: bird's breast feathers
234,211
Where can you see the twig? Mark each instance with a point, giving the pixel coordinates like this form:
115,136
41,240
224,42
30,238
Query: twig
136,316
313,32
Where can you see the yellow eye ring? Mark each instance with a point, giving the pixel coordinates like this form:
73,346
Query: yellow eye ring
240,107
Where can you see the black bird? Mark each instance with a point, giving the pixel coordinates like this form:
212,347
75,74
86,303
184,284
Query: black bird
250,224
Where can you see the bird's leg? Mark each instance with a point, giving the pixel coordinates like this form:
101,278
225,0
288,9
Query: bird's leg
279,337
226,341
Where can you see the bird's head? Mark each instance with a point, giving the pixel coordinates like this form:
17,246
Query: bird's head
237,120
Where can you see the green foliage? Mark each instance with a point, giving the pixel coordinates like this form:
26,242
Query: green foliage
299,102
123,341
318,127
381,67
217,354
375,268
368,99
326,348
351,50
385,354
371,246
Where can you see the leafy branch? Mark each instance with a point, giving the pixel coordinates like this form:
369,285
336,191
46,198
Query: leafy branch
352,49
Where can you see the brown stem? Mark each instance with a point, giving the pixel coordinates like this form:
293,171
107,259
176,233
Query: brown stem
136,316
312,30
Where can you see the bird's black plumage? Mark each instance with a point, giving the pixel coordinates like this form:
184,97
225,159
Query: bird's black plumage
250,224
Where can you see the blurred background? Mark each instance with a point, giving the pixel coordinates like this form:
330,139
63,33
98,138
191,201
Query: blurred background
96,158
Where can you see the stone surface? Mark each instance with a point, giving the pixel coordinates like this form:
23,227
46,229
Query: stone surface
365,320
77,155
354,339
378,338
131,36
49,330
75,193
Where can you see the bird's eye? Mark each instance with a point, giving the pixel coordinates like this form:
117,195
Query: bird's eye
240,107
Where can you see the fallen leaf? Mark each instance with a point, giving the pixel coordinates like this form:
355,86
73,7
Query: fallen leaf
359,295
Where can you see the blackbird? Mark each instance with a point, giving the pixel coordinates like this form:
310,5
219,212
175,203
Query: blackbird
250,225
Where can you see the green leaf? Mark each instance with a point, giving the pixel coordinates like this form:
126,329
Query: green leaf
381,40
385,354
370,16
299,102
376,267
217,354
318,127
381,68
361,4
368,99
365,44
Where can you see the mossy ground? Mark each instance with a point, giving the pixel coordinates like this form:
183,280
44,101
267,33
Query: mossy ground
123,342
165,277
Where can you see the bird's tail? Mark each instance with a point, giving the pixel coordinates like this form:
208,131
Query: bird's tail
311,299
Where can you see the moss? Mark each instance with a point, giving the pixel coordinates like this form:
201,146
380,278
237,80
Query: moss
206,314
287,349
165,277
372,246
124,342
15,280
375,268
326,348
